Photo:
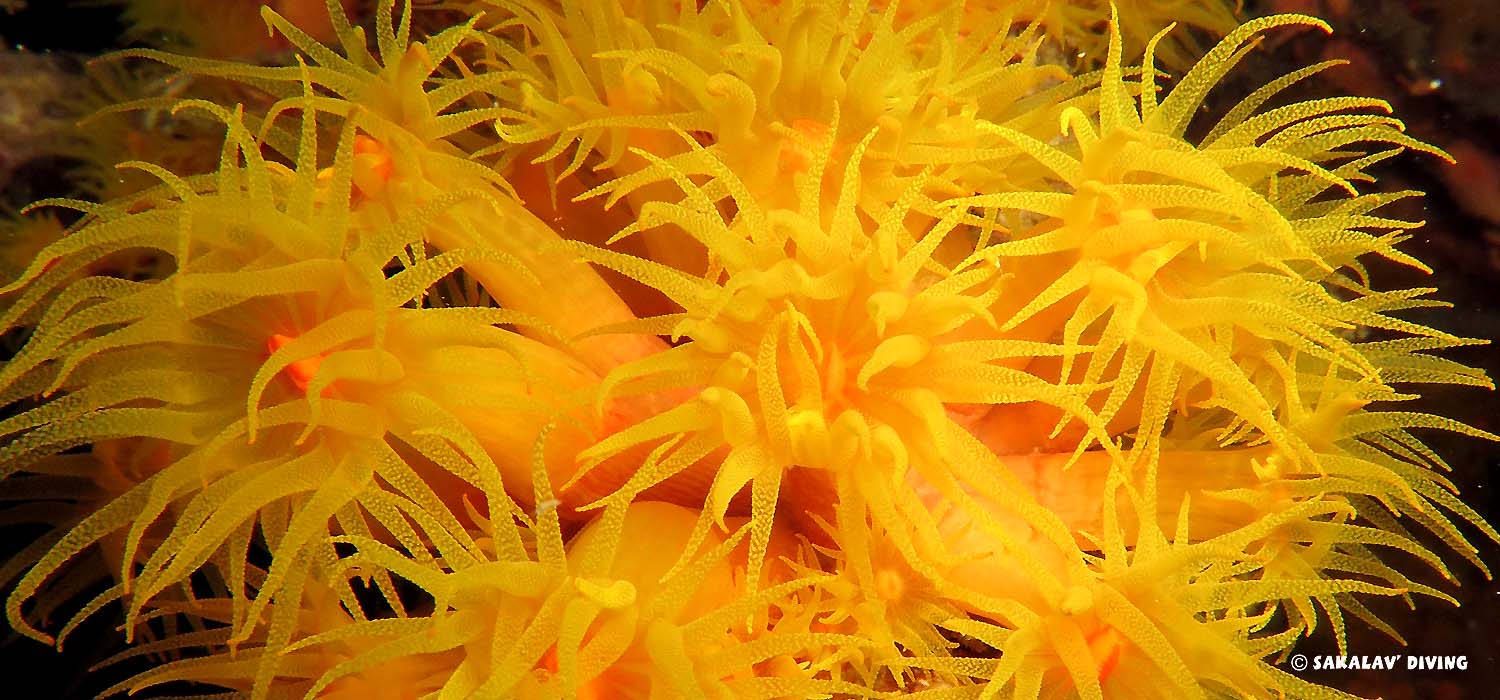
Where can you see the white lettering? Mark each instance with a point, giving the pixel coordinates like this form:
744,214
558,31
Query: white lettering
1437,663
1331,662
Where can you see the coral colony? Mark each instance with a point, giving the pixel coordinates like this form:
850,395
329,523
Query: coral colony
737,349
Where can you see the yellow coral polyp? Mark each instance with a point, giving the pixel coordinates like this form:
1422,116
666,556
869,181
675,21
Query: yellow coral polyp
659,349
203,351
1076,25
620,630
823,346
813,81
1160,239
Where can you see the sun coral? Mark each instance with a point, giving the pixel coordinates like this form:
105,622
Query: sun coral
414,147
740,350
279,355
769,96
1079,26
836,355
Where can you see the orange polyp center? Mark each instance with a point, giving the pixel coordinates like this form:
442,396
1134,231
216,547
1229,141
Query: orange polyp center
301,371
127,462
890,585
372,166
372,169
795,155
1109,214
834,381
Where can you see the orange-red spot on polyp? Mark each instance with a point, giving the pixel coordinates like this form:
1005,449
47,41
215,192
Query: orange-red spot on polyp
301,371
1106,644
595,689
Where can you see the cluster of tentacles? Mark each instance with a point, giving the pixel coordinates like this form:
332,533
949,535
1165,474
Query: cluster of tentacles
730,349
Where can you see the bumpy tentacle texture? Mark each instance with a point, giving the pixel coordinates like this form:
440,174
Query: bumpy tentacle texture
413,106
1077,26
281,375
760,90
651,349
